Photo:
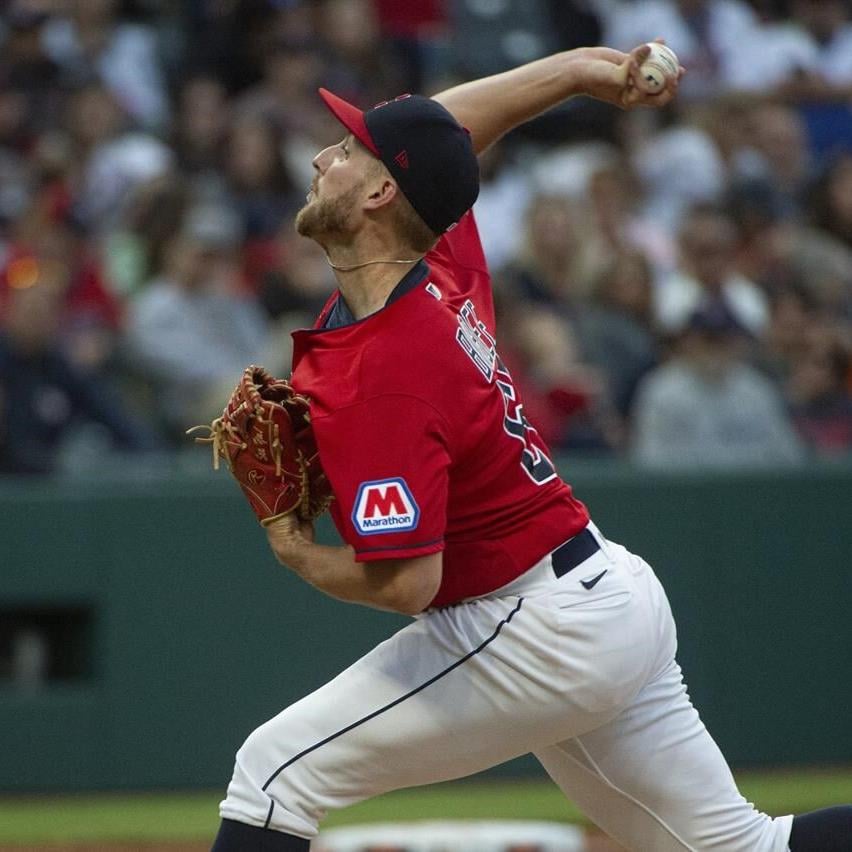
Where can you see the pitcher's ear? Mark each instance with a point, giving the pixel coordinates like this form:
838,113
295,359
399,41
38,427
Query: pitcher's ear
382,193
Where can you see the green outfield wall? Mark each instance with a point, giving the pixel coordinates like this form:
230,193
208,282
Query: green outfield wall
145,629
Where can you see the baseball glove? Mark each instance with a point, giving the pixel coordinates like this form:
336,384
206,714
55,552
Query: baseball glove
265,437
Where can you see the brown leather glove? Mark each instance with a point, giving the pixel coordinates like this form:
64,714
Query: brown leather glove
265,437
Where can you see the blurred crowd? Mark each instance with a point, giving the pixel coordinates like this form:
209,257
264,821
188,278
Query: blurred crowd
673,287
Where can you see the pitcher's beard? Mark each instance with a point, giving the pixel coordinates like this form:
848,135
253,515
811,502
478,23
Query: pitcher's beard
327,217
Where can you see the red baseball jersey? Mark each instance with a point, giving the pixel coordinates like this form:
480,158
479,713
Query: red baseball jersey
422,434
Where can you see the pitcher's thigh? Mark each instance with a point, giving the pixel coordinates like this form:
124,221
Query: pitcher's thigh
655,780
434,702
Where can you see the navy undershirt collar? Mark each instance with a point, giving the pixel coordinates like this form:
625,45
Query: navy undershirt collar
340,314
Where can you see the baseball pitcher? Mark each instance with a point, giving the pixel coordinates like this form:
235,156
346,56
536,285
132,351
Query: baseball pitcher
532,632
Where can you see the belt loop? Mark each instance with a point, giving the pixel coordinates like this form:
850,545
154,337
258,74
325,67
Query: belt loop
602,539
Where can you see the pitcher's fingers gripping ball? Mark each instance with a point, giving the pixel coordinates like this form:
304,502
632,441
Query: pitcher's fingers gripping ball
265,437
660,65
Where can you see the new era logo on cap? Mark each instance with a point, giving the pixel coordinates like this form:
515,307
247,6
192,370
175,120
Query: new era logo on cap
401,159
383,506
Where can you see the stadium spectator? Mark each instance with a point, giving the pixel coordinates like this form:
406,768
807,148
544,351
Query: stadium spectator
49,248
136,247
577,23
832,199
765,228
505,191
286,96
231,37
807,351
31,82
707,407
707,277
548,268
778,136
114,134
820,393
626,286
776,250
784,257
724,121
189,331
621,222
794,315
200,127
828,27
92,42
619,326
299,283
678,167
420,34
782,56
44,395
259,187
710,37
555,271
360,66
111,159
564,397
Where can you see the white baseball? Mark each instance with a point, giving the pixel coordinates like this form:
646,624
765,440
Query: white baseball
661,64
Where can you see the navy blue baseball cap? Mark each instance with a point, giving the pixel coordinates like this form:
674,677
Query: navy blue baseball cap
428,153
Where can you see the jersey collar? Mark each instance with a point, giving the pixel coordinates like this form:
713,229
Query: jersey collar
340,315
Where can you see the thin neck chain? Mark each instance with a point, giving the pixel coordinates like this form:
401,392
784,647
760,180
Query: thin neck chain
366,263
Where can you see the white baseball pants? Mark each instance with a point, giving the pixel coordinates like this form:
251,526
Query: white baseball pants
586,679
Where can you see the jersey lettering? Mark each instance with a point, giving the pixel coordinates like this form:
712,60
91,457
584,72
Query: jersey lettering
537,465
481,348
385,505
474,338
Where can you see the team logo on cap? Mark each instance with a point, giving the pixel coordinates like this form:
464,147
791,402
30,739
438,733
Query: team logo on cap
398,98
383,506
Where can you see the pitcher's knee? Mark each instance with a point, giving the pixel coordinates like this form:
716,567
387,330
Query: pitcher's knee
269,788
274,759
257,756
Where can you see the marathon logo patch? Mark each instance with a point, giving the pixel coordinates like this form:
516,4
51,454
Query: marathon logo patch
385,506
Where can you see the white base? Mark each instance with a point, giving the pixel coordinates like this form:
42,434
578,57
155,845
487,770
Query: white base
457,836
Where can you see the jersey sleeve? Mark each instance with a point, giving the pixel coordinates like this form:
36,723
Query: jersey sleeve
387,461
459,254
